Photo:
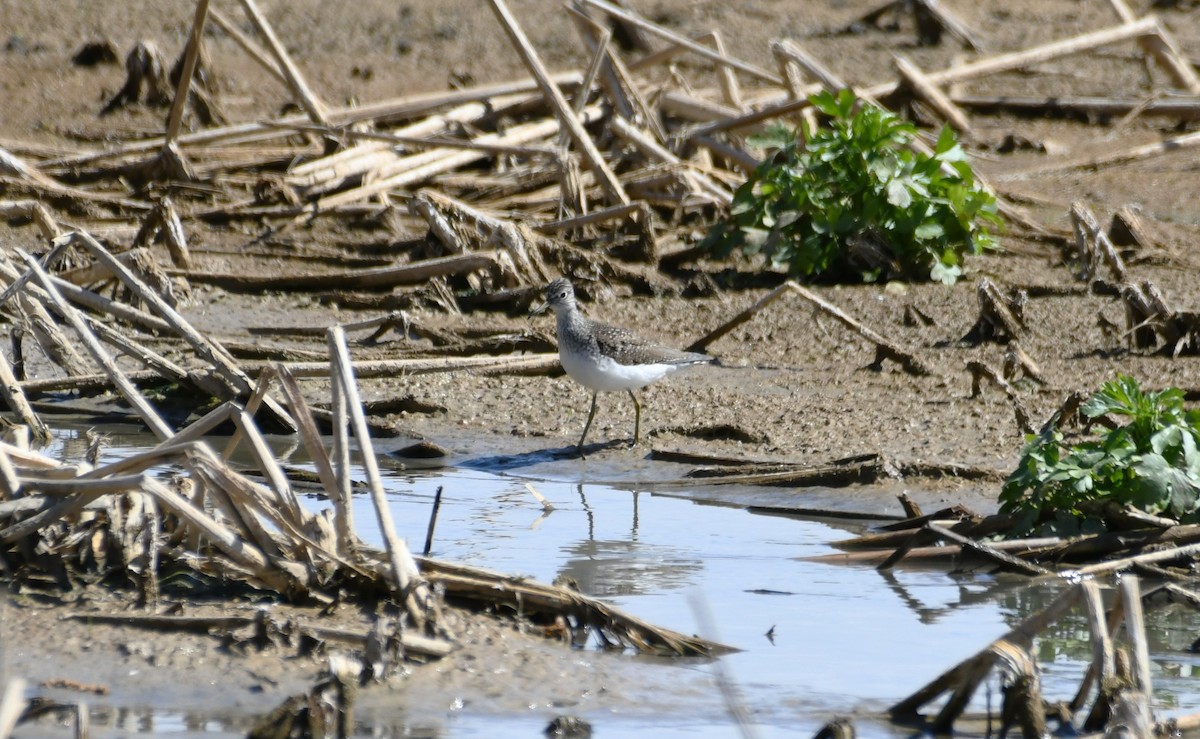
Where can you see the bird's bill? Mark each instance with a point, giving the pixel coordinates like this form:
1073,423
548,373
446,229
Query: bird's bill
539,308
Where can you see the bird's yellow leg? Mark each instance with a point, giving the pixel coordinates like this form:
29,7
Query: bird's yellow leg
588,425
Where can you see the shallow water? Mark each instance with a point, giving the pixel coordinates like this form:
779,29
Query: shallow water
842,639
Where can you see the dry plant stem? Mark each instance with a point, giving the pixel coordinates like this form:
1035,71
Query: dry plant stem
654,150
1102,628
333,171
623,91
24,457
91,300
1094,245
931,94
525,364
599,216
702,344
417,168
1035,55
789,70
599,55
247,499
620,96
408,578
35,211
433,514
378,277
131,394
248,45
1118,565
1021,635
730,92
174,236
10,483
824,76
12,705
78,486
742,160
250,132
958,73
236,548
1002,558
14,398
685,42
1167,53
571,122
175,120
428,142
884,348
240,502
1162,47
304,96
1119,156
343,518
261,387
47,262
225,366
150,359
1135,630
203,347
1185,109
270,468
341,448
531,597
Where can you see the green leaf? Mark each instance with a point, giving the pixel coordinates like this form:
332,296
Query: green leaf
929,230
775,136
898,193
1164,488
947,275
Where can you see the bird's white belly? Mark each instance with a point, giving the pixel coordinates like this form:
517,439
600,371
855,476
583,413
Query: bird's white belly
607,374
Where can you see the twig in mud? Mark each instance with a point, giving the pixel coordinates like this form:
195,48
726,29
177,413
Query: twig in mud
884,348
547,506
433,514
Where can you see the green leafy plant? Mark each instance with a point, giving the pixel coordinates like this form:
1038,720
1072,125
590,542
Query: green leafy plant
1150,463
854,198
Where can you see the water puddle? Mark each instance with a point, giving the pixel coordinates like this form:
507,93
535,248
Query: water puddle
816,640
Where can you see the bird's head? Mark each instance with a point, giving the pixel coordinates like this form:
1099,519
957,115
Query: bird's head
559,296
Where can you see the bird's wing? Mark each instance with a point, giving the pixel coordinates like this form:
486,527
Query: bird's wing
628,348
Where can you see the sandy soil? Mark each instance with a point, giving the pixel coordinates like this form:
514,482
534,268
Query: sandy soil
791,386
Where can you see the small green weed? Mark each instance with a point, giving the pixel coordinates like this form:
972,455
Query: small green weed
1151,463
855,199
